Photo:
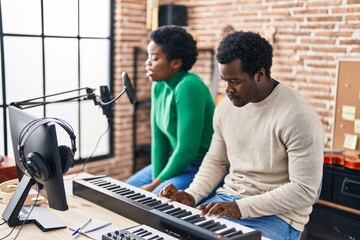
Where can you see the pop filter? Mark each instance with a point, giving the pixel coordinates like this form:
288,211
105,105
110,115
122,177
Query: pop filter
128,87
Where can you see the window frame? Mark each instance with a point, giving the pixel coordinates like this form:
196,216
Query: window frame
4,105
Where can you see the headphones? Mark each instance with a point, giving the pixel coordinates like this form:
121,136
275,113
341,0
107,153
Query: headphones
34,163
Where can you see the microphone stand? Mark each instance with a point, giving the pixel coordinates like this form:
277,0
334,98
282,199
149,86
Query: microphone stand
30,103
105,101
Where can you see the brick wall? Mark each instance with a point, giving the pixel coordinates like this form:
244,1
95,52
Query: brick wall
311,36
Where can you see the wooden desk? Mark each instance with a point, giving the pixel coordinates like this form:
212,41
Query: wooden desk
7,170
79,211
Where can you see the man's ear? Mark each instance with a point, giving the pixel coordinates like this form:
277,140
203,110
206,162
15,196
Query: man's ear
176,63
260,74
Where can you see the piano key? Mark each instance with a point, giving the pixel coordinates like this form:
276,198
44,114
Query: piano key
120,190
133,195
103,184
197,220
139,233
156,237
161,206
175,214
217,227
186,213
137,230
138,197
146,234
172,210
108,187
191,217
165,208
149,201
96,181
152,204
124,191
145,199
127,193
234,234
227,231
206,223
114,188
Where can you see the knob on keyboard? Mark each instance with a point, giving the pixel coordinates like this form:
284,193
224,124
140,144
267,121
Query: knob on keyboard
141,232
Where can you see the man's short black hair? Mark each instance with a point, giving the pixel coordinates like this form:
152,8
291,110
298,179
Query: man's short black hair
253,51
176,43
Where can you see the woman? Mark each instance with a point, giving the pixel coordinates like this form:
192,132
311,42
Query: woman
181,112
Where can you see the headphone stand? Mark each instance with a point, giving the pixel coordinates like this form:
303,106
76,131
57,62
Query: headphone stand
42,218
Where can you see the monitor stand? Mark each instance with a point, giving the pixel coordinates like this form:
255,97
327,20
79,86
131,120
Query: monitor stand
39,215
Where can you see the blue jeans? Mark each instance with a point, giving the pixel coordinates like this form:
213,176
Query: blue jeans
271,227
182,181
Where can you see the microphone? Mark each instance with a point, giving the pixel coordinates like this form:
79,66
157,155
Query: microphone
105,101
128,87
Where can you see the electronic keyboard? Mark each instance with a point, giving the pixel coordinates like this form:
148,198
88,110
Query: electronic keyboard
172,218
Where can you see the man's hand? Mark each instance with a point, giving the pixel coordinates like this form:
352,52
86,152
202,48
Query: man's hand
228,209
172,193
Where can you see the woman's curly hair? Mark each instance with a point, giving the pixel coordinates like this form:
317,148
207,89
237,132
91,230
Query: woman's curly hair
176,44
253,51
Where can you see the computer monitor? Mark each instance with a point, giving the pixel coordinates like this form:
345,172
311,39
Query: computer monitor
43,141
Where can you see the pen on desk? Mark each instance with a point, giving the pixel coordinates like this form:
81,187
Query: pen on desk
82,227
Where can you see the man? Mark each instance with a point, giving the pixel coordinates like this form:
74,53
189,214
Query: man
270,137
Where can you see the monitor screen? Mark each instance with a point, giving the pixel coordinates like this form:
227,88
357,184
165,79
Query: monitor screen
41,140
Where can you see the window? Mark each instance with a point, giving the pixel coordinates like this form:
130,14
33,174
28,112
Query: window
54,46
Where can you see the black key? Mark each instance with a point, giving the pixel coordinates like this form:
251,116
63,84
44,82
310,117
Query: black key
154,237
195,220
138,197
146,234
116,187
121,190
228,231
191,217
165,208
204,224
133,195
218,227
110,186
173,210
179,213
183,214
104,184
127,193
157,202
96,181
149,202
138,230
145,200
161,205
141,232
234,234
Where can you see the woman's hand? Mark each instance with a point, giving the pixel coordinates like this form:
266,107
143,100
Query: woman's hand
151,186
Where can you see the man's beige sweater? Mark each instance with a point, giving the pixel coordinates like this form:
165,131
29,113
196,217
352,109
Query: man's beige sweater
275,150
